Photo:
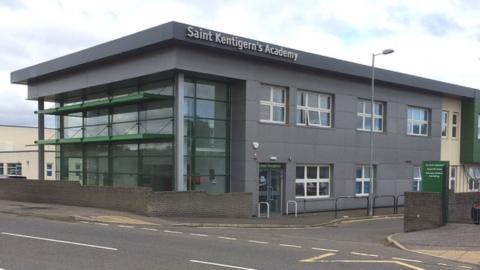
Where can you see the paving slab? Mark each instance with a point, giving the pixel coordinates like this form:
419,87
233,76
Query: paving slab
455,241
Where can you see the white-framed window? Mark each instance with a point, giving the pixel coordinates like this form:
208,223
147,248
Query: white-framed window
417,121
14,168
478,127
417,178
363,178
273,104
444,124
453,178
474,178
1,169
49,169
364,116
313,181
314,109
454,125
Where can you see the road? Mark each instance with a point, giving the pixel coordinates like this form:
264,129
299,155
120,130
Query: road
29,243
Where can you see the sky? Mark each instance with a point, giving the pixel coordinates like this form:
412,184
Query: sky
437,39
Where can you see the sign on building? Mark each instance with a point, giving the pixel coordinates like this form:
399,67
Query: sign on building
434,175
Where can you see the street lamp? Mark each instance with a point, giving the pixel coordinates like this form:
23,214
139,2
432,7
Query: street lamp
372,125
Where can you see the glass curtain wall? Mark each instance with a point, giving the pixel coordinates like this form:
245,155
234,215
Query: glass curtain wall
207,144
138,163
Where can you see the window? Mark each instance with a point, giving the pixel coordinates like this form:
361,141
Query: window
364,116
49,169
14,168
417,121
272,104
474,178
314,109
444,124
454,124
1,169
313,181
453,178
417,178
478,127
363,179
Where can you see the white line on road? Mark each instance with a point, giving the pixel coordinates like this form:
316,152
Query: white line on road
126,226
226,238
375,261
317,258
84,222
465,267
101,224
292,246
175,232
258,242
199,234
364,254
58,241
406,260
325,249
149,229
442,264
222,265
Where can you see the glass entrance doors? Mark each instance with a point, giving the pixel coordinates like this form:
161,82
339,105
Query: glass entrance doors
270,185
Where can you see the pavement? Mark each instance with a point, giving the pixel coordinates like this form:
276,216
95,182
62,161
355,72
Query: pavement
88,214
457,242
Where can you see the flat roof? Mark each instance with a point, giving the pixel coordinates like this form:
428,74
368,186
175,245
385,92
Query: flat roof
180,33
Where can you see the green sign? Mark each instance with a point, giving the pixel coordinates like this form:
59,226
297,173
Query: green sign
434,175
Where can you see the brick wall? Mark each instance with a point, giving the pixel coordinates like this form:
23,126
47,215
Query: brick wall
137,200
460,206
423,209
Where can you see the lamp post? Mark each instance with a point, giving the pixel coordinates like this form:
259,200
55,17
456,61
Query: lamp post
372,125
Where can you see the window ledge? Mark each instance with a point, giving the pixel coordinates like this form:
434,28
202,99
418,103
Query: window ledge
313,198
314,127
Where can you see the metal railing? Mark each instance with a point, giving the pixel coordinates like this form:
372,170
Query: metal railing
395,211
259,204
295,204
351,197
384,196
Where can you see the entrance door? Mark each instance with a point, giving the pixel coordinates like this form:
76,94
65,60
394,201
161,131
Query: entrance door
270,186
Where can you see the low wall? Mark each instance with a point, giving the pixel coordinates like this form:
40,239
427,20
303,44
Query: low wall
137,200
423,209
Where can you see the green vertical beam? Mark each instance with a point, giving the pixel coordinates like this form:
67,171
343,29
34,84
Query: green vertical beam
470,144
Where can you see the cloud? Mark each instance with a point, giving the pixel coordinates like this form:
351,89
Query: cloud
439,24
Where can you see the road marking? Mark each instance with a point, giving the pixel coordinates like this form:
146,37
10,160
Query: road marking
58,241
406,260
126,226
292,246
84,222
199,234
325,249
465,267
364,254
222,265
149,229
101,224
226,238
369,219
375,261
442,264
175,232
258,242
317,258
